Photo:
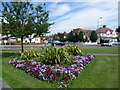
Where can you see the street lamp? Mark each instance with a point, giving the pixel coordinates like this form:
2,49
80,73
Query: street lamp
98,21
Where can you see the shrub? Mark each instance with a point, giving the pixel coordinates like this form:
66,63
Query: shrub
28,54
74,50
54,55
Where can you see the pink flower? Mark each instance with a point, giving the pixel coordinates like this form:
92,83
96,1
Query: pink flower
51,81
54,78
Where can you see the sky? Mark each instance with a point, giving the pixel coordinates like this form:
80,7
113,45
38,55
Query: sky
68,14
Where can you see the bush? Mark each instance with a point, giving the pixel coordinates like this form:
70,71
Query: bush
54,55
28,54
74,50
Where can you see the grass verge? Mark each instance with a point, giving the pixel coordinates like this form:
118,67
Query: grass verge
101,50
102,72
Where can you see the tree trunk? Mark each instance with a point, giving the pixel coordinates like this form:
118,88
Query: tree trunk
22,44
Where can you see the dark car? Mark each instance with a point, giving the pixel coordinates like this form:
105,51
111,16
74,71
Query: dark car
58,43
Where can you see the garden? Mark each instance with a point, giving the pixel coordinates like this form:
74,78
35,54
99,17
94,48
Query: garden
54,64
61,70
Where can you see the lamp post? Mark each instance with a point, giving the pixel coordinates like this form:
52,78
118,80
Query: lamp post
98,22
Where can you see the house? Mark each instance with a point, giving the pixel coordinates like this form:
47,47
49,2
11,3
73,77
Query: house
30,39
34,39
58,35
104,32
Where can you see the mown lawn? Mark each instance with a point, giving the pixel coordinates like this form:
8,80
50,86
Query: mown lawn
101,50
94,50
102,72
17,78
0,65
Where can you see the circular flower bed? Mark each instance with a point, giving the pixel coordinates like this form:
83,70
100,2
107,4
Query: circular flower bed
58,73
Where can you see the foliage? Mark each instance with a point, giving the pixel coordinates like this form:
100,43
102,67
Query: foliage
54,55
75,37
41,18
118,39
70,36
54,74
118,29
93,36
74,50
81,34
28,54
24,19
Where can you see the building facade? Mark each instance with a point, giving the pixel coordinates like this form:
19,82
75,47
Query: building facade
104,32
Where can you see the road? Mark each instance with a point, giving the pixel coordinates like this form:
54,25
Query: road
47,45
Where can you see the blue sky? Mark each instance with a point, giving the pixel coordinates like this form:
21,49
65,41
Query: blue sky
68,15
71,15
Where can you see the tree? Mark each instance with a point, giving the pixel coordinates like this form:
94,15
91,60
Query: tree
70,36
76,37
81,36
118,30
93,36
41,24
24,19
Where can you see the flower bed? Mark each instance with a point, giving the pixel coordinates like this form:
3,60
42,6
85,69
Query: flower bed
58,73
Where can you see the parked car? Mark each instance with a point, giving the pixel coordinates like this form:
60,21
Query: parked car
45,42
106,43
115,43
58,43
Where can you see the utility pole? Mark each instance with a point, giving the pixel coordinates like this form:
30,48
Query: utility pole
98,22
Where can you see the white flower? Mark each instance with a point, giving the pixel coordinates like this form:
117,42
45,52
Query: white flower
60,86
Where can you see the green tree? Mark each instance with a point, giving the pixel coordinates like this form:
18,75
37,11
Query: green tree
93,36
41,18
118,31
76,37
81,34
70,36
24,19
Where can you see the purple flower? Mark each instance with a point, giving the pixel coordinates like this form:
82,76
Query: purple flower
60,86
51,73
54,78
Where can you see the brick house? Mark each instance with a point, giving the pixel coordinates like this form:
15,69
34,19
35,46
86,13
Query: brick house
104,32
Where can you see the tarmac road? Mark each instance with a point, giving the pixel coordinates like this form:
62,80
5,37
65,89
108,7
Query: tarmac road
47,45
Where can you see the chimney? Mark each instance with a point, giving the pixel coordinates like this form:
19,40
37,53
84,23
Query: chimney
104,26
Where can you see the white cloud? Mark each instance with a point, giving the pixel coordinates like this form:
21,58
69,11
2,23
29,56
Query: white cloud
73,1
87,18
58,10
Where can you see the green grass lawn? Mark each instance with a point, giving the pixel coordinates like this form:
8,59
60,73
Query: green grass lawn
17,78
102,72
0,64
101,50
95,50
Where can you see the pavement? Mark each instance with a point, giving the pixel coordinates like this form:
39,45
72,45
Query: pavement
4,85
